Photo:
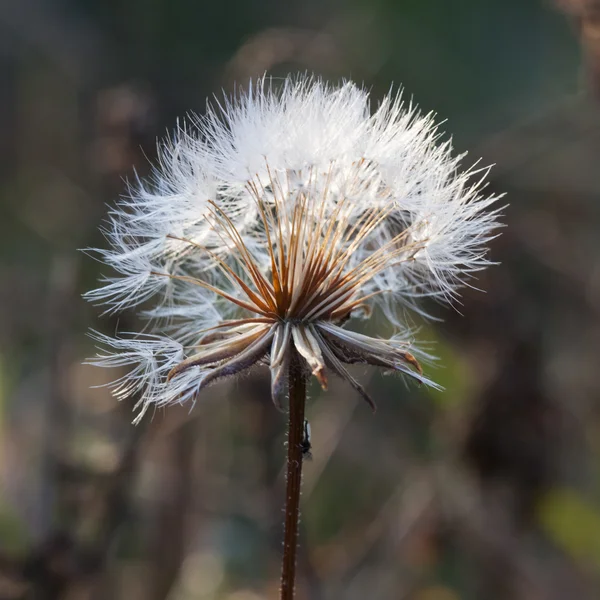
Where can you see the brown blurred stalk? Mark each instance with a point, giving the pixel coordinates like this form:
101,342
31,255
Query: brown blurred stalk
587,16
294,480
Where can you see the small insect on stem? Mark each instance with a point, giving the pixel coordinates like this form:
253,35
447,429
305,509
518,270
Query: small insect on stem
305,444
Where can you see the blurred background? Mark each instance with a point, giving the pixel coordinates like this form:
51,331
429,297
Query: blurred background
489,490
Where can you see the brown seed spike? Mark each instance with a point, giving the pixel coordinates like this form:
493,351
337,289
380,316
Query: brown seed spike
409,358
321,376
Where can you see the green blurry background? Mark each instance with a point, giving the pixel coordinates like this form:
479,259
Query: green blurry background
489,490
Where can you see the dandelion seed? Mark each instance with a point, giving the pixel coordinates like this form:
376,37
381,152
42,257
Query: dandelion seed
275,219
270,223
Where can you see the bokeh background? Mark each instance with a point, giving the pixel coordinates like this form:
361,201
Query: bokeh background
489,490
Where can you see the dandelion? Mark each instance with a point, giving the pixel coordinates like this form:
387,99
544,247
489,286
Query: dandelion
270,223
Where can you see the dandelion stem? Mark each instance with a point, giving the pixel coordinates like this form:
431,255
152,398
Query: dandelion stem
297,386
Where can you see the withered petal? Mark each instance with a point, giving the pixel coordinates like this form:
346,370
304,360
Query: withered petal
338,368
242,361
308,347
279,378
221,350
351,347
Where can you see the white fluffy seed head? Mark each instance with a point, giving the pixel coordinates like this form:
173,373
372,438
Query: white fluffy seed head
293,203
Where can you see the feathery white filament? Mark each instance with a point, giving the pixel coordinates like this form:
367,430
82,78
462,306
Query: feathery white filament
289,205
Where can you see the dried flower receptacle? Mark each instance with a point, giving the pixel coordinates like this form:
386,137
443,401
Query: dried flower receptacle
311,287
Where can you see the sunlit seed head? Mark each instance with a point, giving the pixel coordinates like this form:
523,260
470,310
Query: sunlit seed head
271,222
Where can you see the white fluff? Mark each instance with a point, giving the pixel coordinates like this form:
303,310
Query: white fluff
277,141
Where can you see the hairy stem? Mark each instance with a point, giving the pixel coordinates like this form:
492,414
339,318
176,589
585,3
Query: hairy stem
297,384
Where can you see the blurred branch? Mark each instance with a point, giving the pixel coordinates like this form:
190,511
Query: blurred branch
406,506
60,561
168,548
586,14
312,50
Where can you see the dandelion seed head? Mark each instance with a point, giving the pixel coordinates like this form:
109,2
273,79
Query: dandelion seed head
272,220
